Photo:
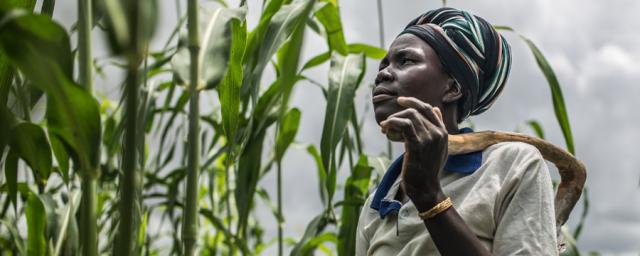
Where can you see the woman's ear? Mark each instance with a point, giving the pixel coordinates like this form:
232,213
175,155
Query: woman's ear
453,92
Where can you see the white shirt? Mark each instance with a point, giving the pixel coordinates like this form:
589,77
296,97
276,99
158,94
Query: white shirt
507,202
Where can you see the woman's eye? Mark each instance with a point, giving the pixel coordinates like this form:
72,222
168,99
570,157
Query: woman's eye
405,61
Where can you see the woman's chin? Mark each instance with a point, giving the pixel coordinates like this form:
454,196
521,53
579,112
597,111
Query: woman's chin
383,112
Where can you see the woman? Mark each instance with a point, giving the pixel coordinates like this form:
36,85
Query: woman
445,66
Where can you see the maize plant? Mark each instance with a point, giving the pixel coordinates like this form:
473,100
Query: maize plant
173,164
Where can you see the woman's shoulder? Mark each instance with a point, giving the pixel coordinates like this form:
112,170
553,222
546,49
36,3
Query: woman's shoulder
512,150
513,158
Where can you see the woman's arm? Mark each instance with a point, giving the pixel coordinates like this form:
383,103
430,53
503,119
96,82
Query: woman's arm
450,233
425,134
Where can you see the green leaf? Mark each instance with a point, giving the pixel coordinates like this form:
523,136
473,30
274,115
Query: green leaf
72,113
287,132
329,17
322,173
142,231
11,176
62,157
261,49
317,60
47,7
15,235
229,88
537,128
370,51
257,35
314,228
51,221
8,119
247,178
556,91
30,143
289,59
67,233
317,241
122,27
21,4
345,75
22,31
118,30
36,225
355,190
215,46
6,78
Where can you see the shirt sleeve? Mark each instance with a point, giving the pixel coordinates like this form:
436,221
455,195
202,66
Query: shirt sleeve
525,214
362,242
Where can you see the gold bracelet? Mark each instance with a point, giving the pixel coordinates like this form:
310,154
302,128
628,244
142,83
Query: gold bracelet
440,207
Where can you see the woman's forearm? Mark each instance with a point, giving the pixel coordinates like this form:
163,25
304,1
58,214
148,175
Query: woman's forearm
452,236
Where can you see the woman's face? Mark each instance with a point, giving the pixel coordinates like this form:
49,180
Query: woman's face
411,69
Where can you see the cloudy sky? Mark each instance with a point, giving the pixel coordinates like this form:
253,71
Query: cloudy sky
594,47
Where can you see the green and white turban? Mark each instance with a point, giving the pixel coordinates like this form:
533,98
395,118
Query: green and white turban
471,51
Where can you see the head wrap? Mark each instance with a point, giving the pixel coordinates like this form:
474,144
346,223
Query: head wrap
470,50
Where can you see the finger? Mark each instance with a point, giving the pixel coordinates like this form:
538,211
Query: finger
420,123
403,125
424,108
438,113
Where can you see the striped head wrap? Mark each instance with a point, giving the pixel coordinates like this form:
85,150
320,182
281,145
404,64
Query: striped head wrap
474,54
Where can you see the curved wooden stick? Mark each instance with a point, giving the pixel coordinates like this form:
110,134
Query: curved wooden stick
572,172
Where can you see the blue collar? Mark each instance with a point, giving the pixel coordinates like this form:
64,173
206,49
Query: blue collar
464,163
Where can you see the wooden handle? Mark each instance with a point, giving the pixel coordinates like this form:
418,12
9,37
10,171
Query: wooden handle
572,172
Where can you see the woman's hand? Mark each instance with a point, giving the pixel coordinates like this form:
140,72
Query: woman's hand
425,141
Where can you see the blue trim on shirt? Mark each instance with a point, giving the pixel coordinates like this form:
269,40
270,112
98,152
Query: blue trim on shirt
384,207
464,163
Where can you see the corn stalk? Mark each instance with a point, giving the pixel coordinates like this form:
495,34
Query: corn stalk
88,204
189,225
132,41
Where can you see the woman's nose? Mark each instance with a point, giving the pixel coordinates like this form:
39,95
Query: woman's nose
383,76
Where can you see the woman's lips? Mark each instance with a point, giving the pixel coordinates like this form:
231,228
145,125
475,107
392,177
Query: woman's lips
382,97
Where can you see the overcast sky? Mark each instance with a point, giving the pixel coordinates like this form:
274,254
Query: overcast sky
594,47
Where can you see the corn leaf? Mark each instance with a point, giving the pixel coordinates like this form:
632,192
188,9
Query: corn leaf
370,51
289,59
30,143
345,74
317,60
72,113
556,91
329,17
6,69
287,132
36,225
8,119
247,179
11,177
537,128
317,242
215,47
315,227
261,49
229,88
62,157
355,190
322,173
27,5
47,7
119,14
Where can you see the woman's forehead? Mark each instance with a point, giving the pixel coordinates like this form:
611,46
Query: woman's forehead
411,43
406,40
